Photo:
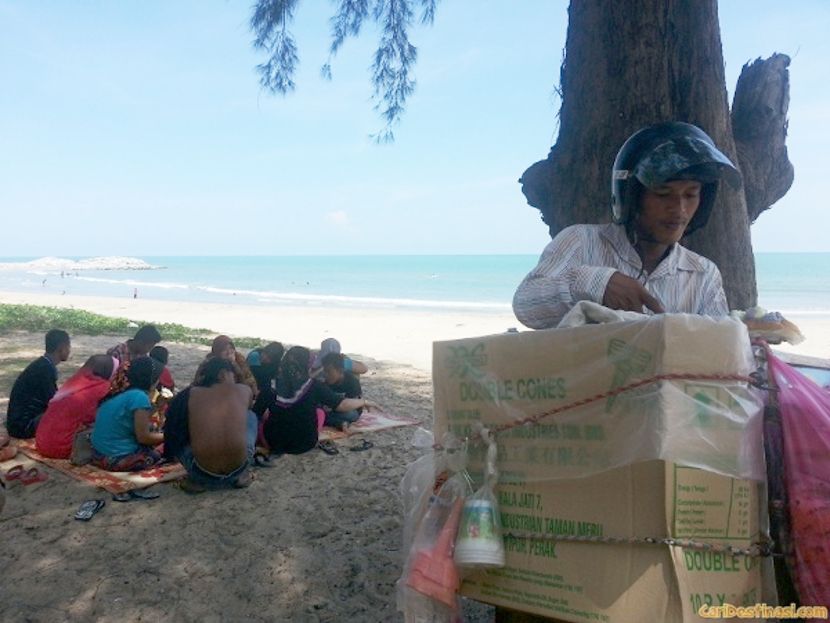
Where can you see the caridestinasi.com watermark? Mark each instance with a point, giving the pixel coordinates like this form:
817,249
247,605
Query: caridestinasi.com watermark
762,611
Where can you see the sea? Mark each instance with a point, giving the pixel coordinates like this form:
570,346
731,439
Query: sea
792,283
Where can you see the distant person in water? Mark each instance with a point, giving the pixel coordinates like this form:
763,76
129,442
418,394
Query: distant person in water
74,406
122,440
211,430
331,345
36,385
223,348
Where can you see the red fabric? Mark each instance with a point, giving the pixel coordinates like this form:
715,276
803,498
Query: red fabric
166,379
805,418
72,408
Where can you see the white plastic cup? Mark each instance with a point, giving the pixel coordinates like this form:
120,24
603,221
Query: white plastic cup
479,541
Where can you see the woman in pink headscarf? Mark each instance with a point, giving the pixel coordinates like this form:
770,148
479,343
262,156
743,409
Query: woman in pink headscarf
73,407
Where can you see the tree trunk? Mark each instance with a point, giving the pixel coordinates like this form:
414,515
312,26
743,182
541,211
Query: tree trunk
628,65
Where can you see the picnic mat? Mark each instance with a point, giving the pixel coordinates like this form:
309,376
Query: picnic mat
369,422
114,482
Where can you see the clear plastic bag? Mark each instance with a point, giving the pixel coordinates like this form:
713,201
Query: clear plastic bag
428,587
479,542
805,416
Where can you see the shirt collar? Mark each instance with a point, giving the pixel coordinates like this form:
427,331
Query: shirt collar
679,258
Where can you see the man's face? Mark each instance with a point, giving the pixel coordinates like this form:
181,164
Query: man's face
666,211
332,375
63,351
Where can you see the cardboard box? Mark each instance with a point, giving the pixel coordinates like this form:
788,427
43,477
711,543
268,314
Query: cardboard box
624,464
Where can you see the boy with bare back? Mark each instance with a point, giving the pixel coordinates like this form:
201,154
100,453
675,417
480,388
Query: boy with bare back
211,430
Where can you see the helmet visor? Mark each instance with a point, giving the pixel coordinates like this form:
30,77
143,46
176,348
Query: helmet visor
669,160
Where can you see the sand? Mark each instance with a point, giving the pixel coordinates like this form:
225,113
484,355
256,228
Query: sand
317,538
403,336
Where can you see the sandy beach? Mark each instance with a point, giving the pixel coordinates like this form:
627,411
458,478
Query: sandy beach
402,336
317,538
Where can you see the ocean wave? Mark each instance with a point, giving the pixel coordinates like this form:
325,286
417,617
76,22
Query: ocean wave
47,265
355,301
167,285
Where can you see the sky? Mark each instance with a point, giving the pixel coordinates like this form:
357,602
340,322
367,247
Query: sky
139,127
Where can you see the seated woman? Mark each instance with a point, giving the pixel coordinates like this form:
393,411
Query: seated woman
292,421
74,405
121,438
224,348
331,345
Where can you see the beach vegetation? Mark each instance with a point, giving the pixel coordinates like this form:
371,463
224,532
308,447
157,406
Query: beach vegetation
78,321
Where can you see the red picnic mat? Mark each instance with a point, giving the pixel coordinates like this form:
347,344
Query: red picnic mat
114,482
369,422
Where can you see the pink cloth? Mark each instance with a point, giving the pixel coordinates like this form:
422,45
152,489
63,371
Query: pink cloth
72,408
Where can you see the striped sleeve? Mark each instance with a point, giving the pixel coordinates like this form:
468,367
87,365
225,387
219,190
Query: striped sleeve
559,280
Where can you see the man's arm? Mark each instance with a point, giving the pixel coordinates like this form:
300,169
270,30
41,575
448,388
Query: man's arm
560,279
713,298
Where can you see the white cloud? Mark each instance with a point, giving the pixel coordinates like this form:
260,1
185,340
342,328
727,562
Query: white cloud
338,218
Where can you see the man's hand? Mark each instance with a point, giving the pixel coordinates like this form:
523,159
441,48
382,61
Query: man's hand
629,294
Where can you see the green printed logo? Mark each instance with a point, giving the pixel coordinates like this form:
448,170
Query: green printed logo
466,362
628,361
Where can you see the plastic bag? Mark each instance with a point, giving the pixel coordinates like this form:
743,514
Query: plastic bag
427,589
805,416
479,542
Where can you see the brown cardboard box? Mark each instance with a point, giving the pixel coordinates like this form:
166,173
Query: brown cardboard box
618,466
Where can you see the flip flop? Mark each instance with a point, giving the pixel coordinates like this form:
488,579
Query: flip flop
88,508
328,447
14,473
362,446
263,460
33,476
134,494
190,487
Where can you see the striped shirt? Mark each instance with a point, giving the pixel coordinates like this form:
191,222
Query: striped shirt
577,264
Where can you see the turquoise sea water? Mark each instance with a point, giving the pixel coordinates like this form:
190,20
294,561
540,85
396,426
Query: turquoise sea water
787,282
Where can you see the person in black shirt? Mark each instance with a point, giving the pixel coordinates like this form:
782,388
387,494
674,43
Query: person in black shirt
35,386
291,422
342,382
264,363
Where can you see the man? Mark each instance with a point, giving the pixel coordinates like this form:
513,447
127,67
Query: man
145,338
35,386
211,431
664,182
342,382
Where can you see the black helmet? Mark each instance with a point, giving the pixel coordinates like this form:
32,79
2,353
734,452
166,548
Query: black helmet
664,152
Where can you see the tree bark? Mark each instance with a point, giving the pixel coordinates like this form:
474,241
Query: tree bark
628,65
759,122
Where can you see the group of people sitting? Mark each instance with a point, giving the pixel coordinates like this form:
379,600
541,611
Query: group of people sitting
237,412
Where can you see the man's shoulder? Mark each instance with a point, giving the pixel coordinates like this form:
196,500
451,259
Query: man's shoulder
693,262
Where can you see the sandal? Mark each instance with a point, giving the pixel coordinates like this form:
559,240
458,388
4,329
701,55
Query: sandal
262,460
245,479
14,473
33,476
362,446
88,508
328,447
135,494
190,487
